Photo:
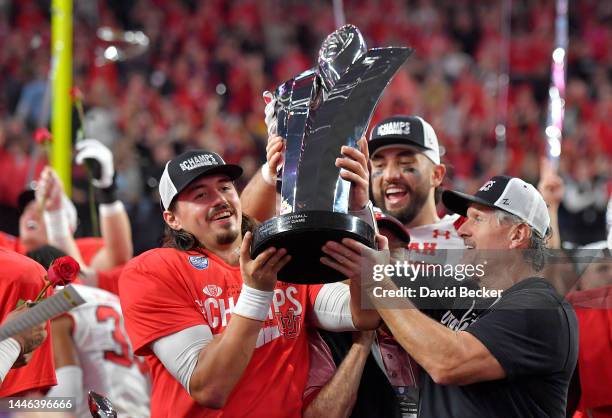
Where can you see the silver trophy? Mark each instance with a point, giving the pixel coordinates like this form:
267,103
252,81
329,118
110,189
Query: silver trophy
318,111
99,406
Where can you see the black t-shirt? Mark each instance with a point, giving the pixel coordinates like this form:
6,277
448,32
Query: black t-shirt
533,334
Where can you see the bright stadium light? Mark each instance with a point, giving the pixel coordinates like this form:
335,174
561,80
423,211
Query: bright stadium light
554,147
558,55
111,53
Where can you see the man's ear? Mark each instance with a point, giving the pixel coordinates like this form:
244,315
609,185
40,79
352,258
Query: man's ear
519,236
437,174
172,220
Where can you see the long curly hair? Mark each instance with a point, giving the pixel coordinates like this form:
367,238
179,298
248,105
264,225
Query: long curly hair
186,241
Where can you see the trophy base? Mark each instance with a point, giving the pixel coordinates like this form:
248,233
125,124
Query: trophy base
303,234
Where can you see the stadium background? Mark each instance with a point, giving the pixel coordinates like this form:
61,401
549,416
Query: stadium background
200,82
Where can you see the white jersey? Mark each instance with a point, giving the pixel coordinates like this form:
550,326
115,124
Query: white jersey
105,353
442,235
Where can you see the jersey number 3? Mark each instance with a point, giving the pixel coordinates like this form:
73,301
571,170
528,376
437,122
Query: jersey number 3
103,314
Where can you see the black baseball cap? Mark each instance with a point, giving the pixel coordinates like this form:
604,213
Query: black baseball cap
509,194
182,170
24,198
408,131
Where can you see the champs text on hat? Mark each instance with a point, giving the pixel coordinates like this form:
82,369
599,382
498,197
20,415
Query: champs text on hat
394,128
198,161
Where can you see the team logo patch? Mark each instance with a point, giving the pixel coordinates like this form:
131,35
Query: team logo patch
289,324
199,261
487,186
212,290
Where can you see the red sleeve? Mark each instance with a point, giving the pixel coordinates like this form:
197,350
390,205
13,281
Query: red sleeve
155,301
109,279
8,241
313,291
89,247
23,278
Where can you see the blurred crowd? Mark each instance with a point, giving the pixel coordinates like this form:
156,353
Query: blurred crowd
200,82
479,70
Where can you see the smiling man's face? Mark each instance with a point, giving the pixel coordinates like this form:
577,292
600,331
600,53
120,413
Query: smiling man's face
209,208
32,231
483,231
401,182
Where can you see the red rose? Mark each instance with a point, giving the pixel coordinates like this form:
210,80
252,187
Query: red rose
76,94
42,135
63,271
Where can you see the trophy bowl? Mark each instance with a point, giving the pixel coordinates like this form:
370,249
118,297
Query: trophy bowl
303,234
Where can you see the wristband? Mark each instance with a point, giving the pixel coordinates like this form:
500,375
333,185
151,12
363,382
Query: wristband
253,303
10,350
366,214
265,173
56,224
108,194
110,209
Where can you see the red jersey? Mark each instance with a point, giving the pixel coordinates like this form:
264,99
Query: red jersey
23,278
109,279
164,291
11,243
88,247
594,312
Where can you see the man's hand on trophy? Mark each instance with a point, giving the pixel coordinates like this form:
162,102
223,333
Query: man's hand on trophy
354,259
354,168
261,273
270,111
275,151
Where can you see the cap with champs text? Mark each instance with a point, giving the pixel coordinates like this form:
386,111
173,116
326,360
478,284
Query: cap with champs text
182,170
407,131
509,194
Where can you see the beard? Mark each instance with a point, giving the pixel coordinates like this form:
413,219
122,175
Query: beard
227,237
230,232
406,214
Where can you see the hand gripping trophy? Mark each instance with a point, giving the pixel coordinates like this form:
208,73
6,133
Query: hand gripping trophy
318,111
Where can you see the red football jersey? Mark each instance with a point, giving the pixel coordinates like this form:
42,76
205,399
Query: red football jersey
11,242
109,279
164,291
22,278
88,247
594,312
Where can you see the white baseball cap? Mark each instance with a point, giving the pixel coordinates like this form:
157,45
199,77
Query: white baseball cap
405,131
509,194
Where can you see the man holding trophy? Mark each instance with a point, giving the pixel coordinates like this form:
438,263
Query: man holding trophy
221,335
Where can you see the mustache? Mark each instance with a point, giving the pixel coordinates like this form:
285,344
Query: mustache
220,208
469,243
396,183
